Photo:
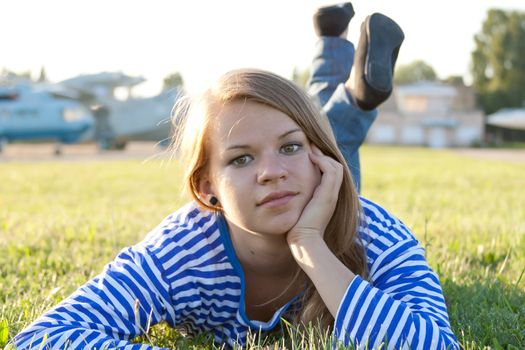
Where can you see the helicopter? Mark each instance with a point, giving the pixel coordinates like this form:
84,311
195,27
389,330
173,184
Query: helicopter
40,112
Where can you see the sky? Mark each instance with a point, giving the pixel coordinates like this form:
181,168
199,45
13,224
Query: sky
204,39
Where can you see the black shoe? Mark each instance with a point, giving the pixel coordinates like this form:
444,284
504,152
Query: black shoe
333,20
375,59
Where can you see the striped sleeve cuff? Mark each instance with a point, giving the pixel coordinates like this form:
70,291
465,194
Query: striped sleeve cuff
369,318
347,308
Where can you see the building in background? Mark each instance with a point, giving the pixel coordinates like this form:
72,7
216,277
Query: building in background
429,114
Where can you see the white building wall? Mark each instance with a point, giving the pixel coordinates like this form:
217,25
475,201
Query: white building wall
412,135
422,114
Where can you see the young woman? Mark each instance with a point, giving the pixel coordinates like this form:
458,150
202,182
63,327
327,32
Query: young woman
276,230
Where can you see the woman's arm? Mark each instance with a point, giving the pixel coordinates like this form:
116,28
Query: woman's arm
107,312
306,237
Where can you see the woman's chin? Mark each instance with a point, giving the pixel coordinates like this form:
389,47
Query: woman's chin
277,225
281,227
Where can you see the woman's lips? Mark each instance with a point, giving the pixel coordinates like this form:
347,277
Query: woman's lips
277,199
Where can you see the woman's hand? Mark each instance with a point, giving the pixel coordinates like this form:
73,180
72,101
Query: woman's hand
317,213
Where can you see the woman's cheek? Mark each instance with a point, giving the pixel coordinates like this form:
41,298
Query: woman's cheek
232,188
316,171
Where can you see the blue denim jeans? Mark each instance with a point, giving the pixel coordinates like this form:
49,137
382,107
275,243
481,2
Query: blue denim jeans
333,60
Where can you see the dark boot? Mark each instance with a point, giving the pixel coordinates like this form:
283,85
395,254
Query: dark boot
374,61
333,20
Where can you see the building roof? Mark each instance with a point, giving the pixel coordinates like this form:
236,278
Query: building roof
426,88
511,118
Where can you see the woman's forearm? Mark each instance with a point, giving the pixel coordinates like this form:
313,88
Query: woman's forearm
329,275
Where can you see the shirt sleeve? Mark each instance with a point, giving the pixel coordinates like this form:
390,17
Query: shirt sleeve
107,312
401,307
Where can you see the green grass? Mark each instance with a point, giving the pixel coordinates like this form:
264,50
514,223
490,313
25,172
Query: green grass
470,216
61,222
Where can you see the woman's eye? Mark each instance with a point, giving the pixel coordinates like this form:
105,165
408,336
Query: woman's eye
240,161
290,148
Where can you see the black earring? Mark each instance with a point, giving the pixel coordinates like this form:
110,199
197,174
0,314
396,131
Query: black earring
213,200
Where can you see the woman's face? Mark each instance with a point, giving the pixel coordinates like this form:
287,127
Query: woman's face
259,168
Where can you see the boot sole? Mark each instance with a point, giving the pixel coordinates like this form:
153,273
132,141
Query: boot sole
384,40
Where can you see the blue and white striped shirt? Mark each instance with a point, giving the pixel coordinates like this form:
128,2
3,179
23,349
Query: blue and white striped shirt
186,273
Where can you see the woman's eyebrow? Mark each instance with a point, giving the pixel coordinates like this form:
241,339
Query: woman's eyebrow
237,146
280,137
290,132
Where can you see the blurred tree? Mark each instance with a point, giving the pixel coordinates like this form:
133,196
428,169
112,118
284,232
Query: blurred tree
43,76
498,63
414,72
301,76
173,80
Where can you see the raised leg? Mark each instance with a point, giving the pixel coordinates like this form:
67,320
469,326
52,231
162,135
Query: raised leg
330,71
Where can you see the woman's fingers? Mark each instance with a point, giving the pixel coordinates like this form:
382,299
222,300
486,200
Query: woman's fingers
332,174
321,207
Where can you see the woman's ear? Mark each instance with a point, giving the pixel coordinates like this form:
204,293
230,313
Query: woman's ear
205,189
206,193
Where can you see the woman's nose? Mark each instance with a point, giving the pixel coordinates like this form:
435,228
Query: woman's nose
271,168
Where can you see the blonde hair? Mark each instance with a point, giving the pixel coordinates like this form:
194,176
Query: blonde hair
279,93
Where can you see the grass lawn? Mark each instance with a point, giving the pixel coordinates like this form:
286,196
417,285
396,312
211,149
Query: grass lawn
61,222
